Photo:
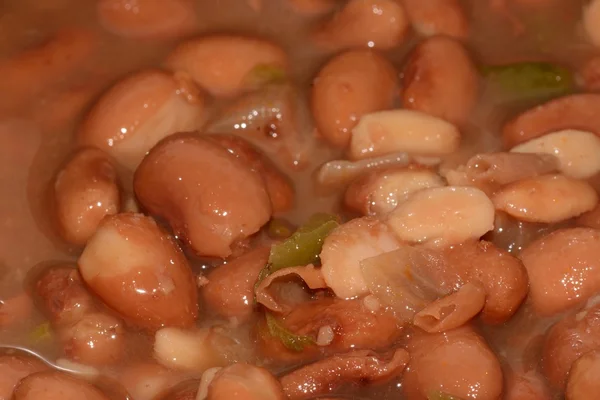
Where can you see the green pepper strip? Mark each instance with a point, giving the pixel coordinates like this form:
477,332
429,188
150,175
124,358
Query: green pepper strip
289,340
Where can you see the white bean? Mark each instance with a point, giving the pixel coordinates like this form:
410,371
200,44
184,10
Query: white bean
186,349
409,131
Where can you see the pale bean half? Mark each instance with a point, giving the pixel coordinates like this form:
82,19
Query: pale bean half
546,198
137,112
577,151
443,216
379,192
349,86
85,191
393,131
187,350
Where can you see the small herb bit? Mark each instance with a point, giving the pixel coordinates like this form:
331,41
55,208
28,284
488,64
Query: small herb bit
41,333
289,340
279,229
264,74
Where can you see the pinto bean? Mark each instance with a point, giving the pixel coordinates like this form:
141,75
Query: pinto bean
591,17
380,191
365,23
566,341
577,111
583,377
563,269
449,93
210,198
53,385
443,216
438,17
13,368
244,382
394,131
147,19
324,376
147,381
188,350
346,246
350,85
575,150
85,191
279,187
546,199
457,363
221,64
140,110
139,271
230,288
312,7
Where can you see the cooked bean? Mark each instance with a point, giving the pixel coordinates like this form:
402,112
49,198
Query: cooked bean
529,385
13,368
349,86
325,376
590,74
244,382
210,198
346,246
576,151
577,111
438,17
566,341
591,17
583,377
148,19
590,219
563,268
546,198
192,350
443,216
140,110
85,191
230,288
365,23
312,7
14,309
379,192
221,64
279,187
139,271
56,386
457,363
449,93
413,132
146,381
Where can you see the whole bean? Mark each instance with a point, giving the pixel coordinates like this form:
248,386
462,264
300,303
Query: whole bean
85,190
312,7
211,198
244,382
53,385
147,381
583,377
350,85
13,368
139,271
188,350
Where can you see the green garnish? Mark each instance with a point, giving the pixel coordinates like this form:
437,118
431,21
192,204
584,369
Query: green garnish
41,333
530,79
279,229
289,340
442,396
264,74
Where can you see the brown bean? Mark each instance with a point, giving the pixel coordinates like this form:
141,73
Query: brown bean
223,64
590,73
381,24
312,7
449,93
147,381
230,288
563,269
438,17
13,368
590,18
210,198
148,19
244,382
85,191
350,85
56,386
590,219
279,187
566,341
577,111
139,271
140,110
583,377
457,363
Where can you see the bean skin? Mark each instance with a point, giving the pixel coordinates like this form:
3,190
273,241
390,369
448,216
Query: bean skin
458,363
85,191
577,111
583,377
449,93
221,64
56,386
230,288
210,198
563,269
139,271
14,368
438,17
351,84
